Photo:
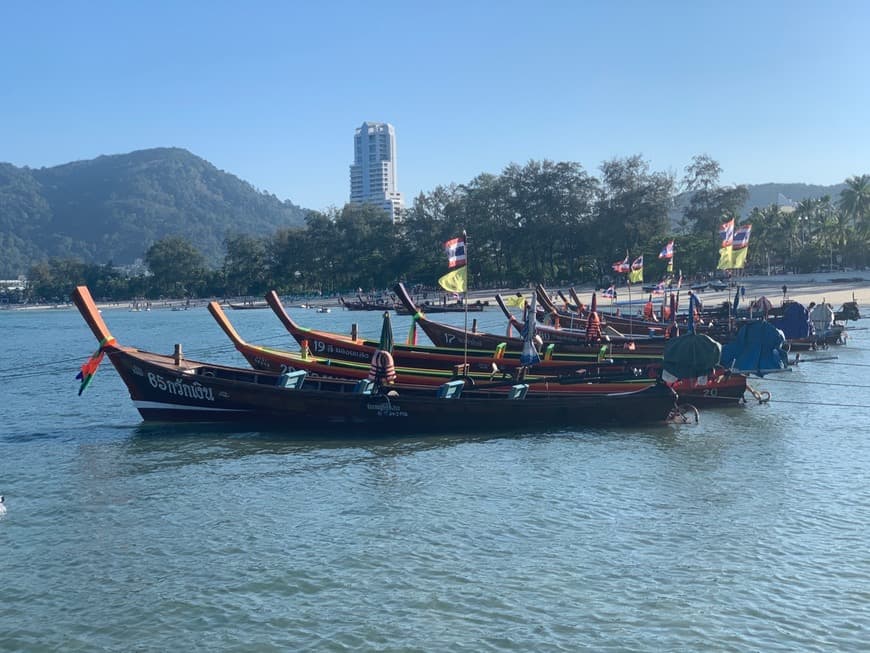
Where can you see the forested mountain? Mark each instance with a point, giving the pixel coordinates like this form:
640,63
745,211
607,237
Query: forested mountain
112,208
762,196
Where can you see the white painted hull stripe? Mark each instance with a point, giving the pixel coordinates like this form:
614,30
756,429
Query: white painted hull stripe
158,405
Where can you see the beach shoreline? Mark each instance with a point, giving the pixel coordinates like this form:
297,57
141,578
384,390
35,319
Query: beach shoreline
833,288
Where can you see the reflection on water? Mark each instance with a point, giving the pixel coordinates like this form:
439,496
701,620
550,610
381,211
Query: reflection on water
747,531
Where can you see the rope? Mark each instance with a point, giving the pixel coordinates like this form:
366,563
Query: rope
683,413
801,382
822,403
763,396
48,364
828,360
35,370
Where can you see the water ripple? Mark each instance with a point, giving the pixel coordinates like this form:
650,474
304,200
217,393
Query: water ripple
745,532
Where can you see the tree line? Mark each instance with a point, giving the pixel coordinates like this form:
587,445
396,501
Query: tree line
545,221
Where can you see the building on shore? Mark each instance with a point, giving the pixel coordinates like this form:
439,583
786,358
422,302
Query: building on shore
373,173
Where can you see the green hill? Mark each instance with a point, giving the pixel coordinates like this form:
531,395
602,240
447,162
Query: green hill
112,208
763,195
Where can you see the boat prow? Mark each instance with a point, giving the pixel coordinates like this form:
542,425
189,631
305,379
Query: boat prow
83,300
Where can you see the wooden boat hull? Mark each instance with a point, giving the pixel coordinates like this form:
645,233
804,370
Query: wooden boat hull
435,366
366,305
474,307
606,376
499,359
722,389
174,389
248,306
445,335
198,393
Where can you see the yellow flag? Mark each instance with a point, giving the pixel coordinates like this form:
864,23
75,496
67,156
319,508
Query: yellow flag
636,276
738,257
517,301
455,281
725,259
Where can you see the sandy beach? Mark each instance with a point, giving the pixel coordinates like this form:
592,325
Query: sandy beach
833,288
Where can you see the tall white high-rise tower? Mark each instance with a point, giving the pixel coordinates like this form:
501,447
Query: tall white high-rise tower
373,177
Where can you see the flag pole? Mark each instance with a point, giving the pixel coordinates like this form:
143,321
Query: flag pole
467,284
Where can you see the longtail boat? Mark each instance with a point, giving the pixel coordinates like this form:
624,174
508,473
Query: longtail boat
348,356
454,307
247,305
175,389
625,324
364,304
422,374
445,335
500,359
573,337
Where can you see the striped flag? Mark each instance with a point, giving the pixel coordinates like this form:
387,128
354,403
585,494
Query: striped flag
726,231
455,249
622,266
741,236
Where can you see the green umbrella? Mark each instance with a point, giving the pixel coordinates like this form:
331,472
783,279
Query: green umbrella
386,334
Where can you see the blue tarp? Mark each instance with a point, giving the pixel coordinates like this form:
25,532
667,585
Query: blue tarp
794,322
758,348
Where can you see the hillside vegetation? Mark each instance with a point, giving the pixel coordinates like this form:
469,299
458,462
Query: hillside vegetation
112,208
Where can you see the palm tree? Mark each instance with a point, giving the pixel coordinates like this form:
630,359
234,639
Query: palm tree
855,200
805,216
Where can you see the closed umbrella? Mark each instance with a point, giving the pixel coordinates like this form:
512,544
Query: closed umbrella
386,343
529,355
382,369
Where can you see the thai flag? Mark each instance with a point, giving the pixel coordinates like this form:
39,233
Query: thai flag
610,293
741,236
726,231
638,263
621,266
668,251
659,289
455,249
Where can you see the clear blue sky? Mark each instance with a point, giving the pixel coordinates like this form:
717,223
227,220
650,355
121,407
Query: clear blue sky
272,91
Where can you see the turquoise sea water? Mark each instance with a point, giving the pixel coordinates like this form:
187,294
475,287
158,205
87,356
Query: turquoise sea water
745,532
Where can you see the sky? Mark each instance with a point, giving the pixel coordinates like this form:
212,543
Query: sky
272,91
